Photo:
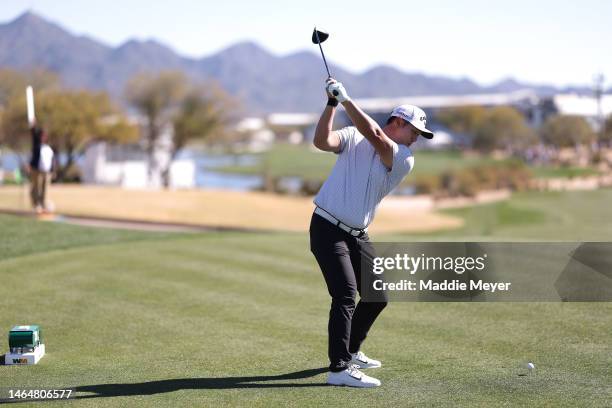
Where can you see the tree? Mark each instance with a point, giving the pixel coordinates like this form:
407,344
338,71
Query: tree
12,91
205,113
606,134
504,128
462,119
567,131
202,113
73,120
155,96
13,83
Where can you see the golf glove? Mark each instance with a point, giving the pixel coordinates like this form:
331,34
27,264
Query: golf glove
338,91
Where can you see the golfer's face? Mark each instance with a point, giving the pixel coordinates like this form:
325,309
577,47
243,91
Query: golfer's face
411,133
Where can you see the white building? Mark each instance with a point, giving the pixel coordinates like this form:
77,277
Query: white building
519,98
128,166
293,127
260,137
299,127
579,105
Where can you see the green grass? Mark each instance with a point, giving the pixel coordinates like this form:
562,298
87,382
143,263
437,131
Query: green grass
435,162
532,216
28,236
288,160
302,161
232,319
562,172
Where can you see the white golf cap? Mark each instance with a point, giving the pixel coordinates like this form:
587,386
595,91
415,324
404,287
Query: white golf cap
415,116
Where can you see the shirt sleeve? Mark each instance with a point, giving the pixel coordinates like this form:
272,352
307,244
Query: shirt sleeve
403,163
346,135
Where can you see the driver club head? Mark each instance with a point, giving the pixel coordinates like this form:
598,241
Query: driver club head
319,36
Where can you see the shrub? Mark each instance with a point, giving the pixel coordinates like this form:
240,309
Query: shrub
470,181
310,186
428,184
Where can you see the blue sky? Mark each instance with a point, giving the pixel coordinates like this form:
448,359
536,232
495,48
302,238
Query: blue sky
534,41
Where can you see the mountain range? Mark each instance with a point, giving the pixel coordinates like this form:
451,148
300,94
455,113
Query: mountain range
264,82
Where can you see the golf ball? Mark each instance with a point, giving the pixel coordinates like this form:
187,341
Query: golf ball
530,366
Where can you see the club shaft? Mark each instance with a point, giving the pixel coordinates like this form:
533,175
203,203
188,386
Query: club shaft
322,54
324,60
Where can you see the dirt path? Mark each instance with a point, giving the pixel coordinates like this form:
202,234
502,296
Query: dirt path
212,209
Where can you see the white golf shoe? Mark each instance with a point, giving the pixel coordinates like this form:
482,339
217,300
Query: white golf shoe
364,361
352,377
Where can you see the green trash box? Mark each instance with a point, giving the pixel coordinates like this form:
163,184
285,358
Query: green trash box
25,345
25,336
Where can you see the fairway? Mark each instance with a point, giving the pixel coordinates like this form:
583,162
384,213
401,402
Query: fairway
237,319
531,216
306,162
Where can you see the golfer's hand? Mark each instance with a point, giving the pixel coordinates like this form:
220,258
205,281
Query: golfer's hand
336,90
329,81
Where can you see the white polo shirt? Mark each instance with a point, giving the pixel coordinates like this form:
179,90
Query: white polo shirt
46,158
359,180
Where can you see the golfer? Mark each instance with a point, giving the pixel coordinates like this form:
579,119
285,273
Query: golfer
40,167
371,162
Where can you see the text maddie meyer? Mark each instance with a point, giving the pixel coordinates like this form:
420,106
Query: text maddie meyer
443,286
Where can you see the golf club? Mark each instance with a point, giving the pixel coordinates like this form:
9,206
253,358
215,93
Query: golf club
317,38
30,105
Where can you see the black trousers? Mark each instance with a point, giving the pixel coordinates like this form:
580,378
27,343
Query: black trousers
339,256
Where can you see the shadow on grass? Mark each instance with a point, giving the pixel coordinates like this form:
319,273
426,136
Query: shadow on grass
214,383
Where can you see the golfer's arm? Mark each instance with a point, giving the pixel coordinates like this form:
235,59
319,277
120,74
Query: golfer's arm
371,131
324,138
35,138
